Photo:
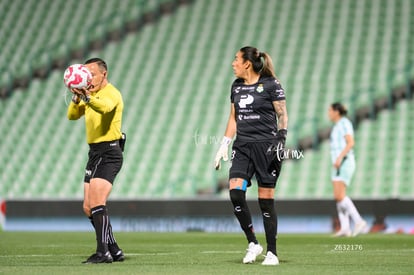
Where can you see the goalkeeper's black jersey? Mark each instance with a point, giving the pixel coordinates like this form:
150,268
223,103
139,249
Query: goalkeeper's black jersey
255,114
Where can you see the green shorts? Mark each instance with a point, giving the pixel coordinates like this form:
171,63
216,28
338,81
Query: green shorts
345,172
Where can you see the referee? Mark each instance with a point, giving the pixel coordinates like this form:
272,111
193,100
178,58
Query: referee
259,116
101,104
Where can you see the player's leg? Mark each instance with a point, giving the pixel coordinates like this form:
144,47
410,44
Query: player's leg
341,179
105,167
267,179
267,207
86,204
339,190
116,252
98,192
241,172
238,188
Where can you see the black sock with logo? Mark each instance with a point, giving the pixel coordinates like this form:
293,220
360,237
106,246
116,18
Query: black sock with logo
242,213
101,224
267,206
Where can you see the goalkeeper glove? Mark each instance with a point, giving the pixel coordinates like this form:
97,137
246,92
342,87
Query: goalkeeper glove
223,152
277,148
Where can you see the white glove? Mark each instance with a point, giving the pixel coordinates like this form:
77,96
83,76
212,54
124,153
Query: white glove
223,152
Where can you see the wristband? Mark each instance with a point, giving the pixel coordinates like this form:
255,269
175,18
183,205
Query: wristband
282,133
75,99
85,98
226,140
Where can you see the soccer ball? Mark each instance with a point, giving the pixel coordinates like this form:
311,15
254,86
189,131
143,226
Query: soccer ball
77,76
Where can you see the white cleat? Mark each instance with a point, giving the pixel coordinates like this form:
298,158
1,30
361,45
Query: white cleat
253,250
343,233
361,227
270,259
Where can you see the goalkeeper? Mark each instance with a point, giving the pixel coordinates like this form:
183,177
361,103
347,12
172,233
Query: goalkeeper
258,114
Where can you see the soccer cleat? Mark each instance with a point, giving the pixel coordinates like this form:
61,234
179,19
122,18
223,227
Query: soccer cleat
360,227
253,250
343,233
118,256
270,259
99,258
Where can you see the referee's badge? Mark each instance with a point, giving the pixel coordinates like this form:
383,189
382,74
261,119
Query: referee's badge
259,88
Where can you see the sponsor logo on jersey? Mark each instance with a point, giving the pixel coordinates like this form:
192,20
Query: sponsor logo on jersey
245,100
280,93
247,117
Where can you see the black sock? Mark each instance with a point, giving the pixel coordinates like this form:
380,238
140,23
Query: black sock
267,207
112,245
242,213
101,222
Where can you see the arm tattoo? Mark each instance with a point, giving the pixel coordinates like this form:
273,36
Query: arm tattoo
281,113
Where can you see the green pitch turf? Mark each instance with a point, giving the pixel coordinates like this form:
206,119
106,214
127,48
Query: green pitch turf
205,253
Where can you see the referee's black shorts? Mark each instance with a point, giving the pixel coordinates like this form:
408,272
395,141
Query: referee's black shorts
250,158
105,161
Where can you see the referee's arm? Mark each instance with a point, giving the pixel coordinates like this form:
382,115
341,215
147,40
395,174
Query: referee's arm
103,104
75,111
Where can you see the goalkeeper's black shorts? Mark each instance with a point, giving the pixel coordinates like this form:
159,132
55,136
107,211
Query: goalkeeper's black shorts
105,161
251,158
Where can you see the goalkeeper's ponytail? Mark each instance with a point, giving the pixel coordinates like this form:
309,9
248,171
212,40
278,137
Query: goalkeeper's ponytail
268,69
262,62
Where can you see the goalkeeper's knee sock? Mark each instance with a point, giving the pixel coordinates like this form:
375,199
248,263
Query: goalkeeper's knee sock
242,213
101,222
267,207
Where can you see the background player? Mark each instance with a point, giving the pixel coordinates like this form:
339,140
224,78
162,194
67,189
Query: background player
102,107
258,114
343,167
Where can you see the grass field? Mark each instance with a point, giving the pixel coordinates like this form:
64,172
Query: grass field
205,253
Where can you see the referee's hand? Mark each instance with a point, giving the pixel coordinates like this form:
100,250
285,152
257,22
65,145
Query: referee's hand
82,93
223,152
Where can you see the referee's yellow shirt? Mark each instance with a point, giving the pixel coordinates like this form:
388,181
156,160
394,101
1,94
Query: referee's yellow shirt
103,114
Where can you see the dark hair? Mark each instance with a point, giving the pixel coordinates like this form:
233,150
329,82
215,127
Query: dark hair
263,67
102,64
337,106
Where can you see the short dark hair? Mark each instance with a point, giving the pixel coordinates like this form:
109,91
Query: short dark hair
101,63
337,106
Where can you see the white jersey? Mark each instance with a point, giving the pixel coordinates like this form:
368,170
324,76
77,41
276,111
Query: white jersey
337,139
